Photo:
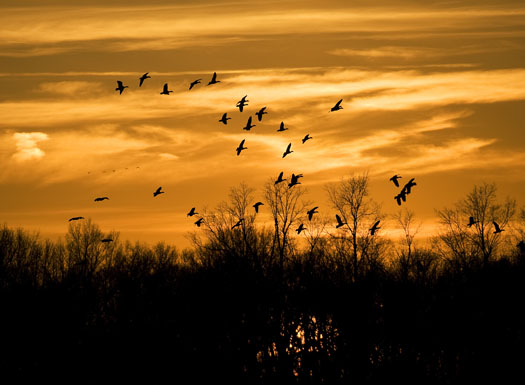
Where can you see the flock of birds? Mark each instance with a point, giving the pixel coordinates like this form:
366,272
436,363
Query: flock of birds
294,179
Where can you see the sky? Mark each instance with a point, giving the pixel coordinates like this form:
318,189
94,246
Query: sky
431,90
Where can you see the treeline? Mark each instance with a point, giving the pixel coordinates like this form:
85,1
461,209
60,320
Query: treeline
250,305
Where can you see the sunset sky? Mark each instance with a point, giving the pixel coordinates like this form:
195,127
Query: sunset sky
433,90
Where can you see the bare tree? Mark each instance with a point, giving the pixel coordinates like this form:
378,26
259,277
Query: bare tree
84,246
479,239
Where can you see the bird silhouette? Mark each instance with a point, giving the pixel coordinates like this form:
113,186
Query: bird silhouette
238,223
214,79
295,180
395,179
240,148
100,199
280,178
337,106
256,206
157,192
144,77
199,222
243,102
288,151
339,221
194,83
401,197
307,137
224,118
165,90
260,113
249,124
75,218
471,221
300,228
120,87
282,127
106,240
374,228
408,187
498,229
311,212
192,212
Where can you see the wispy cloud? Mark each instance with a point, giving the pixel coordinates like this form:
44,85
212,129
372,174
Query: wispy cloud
27,145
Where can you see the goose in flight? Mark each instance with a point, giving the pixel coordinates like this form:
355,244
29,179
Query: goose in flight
144,77
100,199
337,106
295,180
75,218
288,151
282,127
214,79
401,197
339,221
260,113
106,240
199,222
280,178
408,187
374,228
395,179
120,87
249,124
497,228
300,228
157,192
165,90
241,147
256,206
307,137
194,83
238,223
224,118
243,102
192,212
311,212
471,221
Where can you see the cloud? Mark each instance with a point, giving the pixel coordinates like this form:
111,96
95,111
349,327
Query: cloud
168,156
70,88
27,145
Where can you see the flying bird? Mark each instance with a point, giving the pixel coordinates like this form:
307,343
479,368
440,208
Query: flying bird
288,151
395,179
106,240
214,79
75,218
194,83
260,113
224,118
165,90
256,206
498,229
307,137
374,228
280,178
199,222
240,148
238,223
300,228
401,197
144,77
120,87
471,221
192,212
282,127
339,221
100,199
249,124
157,192
337,106
295,180
408,187
243,102
311,212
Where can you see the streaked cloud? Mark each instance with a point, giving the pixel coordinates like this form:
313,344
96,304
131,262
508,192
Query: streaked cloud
27,145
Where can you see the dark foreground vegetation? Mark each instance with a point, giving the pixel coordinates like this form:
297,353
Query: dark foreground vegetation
243,307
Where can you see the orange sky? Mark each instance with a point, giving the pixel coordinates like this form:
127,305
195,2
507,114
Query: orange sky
433,91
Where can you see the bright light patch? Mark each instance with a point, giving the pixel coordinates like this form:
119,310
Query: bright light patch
27,145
